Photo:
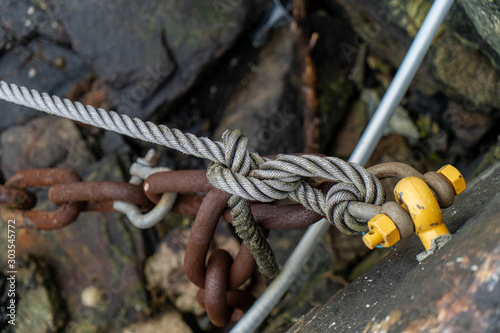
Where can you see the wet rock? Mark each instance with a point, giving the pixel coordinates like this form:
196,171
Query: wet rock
400,123
39,305
46,141
468,127
488,158
451,65
171,321
161,58
101,251
419,103
314,283
35,52
24,20
264,106
483,16
350,131
165,269
114,143
335,84
455,289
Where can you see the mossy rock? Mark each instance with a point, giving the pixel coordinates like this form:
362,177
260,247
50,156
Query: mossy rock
463,59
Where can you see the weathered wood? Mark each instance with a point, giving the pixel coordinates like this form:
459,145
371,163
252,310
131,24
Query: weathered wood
456,289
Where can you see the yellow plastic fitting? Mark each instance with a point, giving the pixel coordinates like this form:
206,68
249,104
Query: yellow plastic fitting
382,232
416,197
454,177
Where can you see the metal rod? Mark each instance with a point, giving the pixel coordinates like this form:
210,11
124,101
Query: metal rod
401,81
271,296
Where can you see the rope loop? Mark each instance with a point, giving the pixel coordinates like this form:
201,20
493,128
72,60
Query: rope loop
246,176
287,175
238,164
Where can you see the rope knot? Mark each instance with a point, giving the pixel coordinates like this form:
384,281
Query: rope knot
337,199
238,164
248,176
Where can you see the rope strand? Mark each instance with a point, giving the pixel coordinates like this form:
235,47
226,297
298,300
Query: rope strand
247,176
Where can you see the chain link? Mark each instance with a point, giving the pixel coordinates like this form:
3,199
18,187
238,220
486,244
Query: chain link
220,274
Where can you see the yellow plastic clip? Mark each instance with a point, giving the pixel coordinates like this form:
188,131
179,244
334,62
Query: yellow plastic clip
417,198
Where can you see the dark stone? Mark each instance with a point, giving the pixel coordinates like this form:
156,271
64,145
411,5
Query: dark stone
150,53
468,127
34,52
164,270
39,304
113,142
419,103
462,27
484,17
265,105
23,20
335,87
455,289
313,284
454,65
46,141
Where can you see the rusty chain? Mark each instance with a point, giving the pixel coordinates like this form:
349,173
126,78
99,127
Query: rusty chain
220,278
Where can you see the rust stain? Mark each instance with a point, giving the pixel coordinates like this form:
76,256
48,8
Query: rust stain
385,324
488,274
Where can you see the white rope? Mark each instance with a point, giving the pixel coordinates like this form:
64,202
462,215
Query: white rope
247,176
112,121
236,171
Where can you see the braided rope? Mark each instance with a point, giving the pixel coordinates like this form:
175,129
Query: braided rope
247,176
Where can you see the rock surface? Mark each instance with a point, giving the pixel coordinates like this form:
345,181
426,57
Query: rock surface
171,321
160,59
39,304
45,141
35,52
454,65
264,107
455,289
165,273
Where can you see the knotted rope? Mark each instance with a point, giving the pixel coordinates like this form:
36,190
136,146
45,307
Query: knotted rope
247,176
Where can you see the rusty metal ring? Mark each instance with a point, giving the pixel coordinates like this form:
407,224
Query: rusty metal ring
42,177
46,220
393,170
16,198
272,217
445,194
216,283
179,181
99,191
201,235
236,299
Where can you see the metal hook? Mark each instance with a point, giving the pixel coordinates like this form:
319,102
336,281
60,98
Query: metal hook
140,170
